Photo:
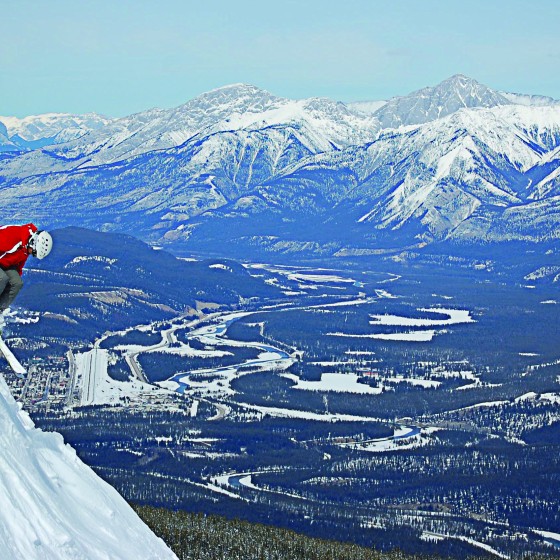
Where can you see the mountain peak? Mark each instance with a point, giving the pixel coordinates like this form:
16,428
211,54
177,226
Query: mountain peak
459,79
233,93
430,103
459,82
230,98
472,92
237,88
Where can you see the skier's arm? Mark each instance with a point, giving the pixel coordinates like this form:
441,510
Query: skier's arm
28,229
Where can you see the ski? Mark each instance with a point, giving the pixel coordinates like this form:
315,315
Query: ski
19,370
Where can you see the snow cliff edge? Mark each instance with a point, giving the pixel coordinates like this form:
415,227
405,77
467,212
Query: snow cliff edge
53,506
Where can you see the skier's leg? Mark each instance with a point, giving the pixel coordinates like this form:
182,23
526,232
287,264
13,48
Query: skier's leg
4,289
15,283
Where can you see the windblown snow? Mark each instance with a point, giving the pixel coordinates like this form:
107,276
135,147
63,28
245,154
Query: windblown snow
54,507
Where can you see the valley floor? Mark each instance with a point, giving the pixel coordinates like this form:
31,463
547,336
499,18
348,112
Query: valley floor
389,408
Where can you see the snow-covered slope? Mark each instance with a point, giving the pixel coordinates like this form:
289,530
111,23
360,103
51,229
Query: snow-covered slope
439,101
452,177
54,507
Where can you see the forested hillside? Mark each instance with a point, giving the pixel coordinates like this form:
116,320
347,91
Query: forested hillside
207,537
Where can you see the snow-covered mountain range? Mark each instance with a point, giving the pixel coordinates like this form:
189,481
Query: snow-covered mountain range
239,165
37,131
54,507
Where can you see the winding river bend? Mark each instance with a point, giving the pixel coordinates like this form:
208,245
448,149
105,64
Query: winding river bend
213,335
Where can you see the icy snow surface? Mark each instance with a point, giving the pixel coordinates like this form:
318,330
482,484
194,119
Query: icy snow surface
54,507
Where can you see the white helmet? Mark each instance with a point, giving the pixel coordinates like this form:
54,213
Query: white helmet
40,243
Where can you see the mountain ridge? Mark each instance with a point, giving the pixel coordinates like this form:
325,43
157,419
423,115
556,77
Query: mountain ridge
244,157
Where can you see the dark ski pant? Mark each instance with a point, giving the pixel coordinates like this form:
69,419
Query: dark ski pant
10,285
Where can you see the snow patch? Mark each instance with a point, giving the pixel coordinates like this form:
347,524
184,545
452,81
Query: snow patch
411,336
78,260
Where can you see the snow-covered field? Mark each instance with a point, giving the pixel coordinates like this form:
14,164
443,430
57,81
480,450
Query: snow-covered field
336,382
454,317
549,535
407,336
97,387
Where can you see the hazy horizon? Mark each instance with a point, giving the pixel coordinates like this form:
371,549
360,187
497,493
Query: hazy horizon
120,58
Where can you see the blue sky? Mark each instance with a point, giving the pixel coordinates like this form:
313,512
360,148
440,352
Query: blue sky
117,57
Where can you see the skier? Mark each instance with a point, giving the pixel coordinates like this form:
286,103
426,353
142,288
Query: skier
16,244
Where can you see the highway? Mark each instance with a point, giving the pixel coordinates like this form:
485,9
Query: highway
135,367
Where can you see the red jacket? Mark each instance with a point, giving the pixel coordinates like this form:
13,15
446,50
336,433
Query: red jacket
13,246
